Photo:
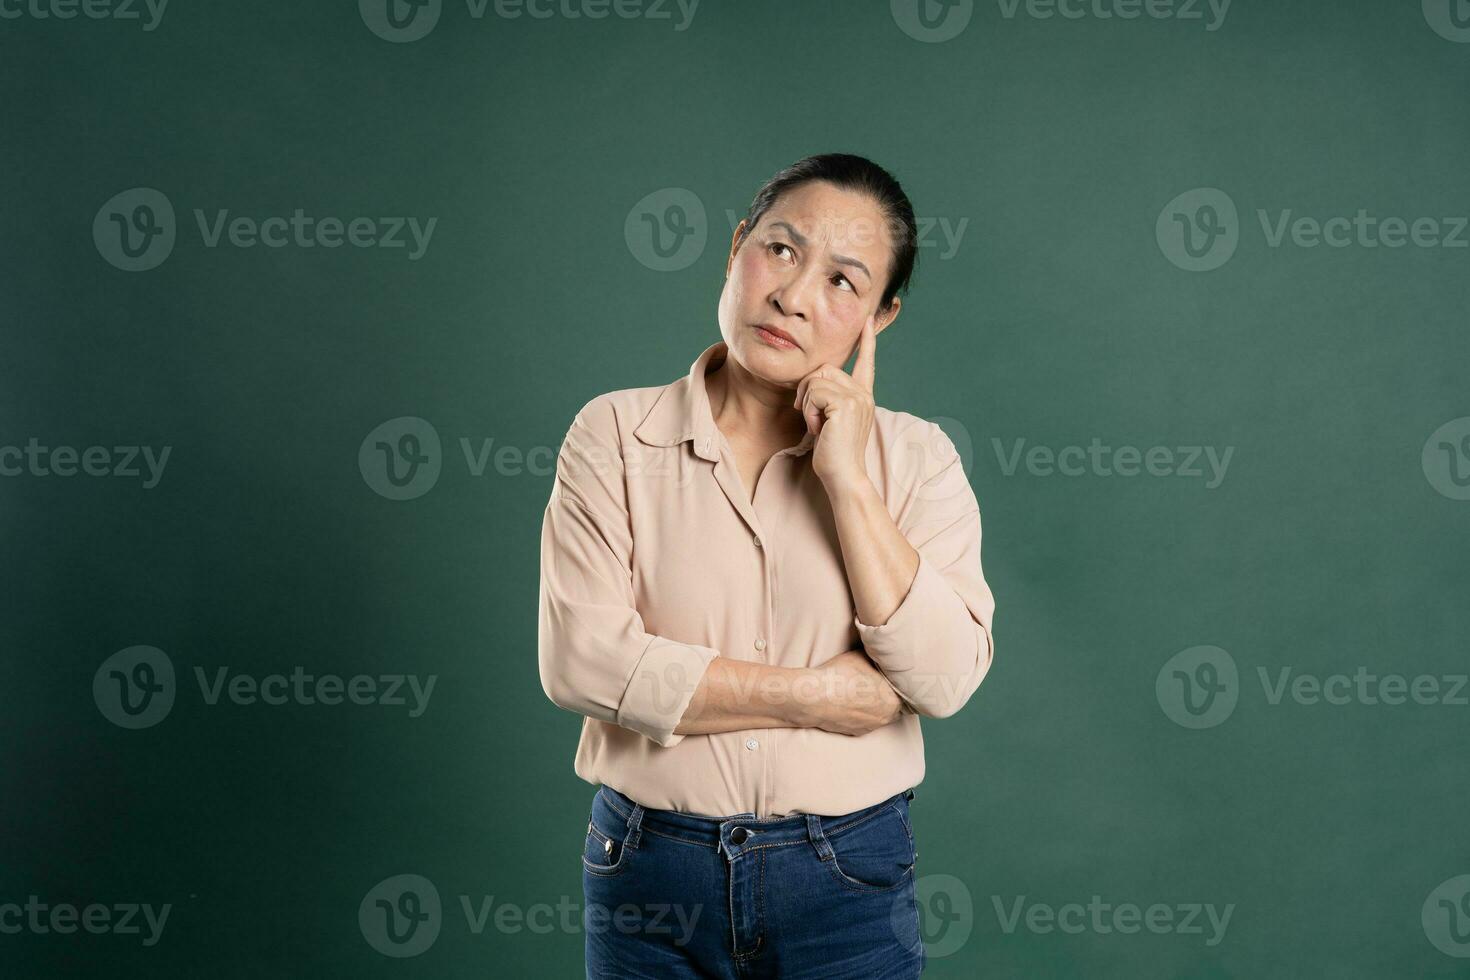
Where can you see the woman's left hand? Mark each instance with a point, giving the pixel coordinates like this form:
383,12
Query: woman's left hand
839,409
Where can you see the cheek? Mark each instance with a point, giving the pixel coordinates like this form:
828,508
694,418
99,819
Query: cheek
843,312
836,342
750,267
847,305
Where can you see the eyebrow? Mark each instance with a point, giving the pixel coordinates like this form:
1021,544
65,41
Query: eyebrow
839,259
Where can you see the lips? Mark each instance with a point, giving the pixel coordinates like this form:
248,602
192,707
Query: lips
778,332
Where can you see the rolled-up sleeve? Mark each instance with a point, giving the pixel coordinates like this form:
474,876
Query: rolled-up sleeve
596,659
937,646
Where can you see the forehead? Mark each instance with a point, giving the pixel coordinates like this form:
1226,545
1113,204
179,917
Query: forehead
841,220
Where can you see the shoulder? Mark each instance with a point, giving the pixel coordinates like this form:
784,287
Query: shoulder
891,420
895,427
599,434
620,411
911,446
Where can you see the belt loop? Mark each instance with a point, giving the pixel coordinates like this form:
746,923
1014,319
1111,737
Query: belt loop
818,839
635,826
908,794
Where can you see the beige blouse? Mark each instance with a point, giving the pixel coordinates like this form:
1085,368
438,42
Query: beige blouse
654,561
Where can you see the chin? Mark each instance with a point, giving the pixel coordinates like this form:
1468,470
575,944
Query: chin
780,367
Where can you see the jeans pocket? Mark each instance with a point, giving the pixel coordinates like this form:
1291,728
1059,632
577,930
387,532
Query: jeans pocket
603,851
876,854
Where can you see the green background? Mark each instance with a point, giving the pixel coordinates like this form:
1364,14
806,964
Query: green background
1056,320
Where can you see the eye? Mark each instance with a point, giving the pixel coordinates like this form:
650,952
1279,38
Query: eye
840,277
775,245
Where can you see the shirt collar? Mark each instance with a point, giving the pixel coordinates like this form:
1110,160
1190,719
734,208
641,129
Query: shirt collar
682,412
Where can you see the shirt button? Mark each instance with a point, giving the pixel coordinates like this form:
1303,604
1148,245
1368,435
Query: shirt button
757,540
752,744
760,644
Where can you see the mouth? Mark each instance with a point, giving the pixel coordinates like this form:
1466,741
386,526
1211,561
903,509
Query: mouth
776,337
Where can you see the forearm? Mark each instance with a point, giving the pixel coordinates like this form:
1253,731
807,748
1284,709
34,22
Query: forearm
734,695
880,561
922,618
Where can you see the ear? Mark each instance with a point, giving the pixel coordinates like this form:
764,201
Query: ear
882,320
734,247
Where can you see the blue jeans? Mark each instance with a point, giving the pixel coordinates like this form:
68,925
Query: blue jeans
672,895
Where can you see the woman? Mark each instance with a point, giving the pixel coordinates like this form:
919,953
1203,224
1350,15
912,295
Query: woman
753,582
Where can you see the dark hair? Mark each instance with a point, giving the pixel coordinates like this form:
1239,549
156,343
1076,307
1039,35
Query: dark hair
853,173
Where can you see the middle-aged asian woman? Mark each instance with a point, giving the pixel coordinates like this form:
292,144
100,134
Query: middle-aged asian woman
754,581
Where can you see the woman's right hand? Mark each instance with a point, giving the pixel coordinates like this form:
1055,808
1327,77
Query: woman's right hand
848,695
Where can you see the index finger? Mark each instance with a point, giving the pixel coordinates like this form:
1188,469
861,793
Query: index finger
865,367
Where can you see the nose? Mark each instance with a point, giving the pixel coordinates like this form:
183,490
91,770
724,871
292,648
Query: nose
794,297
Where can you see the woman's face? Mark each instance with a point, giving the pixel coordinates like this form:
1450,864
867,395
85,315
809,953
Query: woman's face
814,266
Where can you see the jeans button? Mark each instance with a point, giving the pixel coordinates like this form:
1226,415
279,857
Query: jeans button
738,835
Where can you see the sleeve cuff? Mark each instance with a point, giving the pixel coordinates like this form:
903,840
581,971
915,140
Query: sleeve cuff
661,688
929,598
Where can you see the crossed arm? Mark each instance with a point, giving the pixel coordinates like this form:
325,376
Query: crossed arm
848,694
851,693
926,645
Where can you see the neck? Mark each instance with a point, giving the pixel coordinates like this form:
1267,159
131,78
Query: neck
752,409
